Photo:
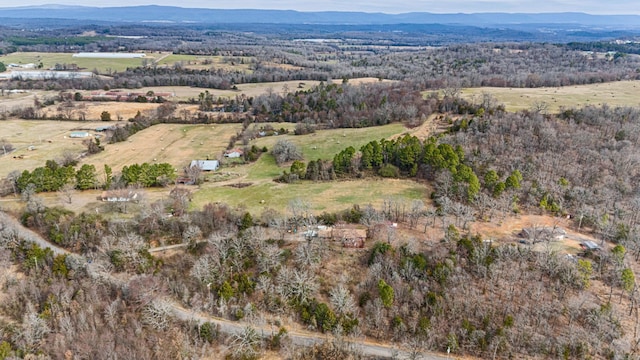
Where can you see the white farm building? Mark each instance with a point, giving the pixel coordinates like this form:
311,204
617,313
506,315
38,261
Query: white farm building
205,165
108,55
79,134
46,75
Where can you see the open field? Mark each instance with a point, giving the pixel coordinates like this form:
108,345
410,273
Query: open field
179,144
49,138
199,62
93,110
118,110
321,196
171,143
184,93
49,60
620,93
326,144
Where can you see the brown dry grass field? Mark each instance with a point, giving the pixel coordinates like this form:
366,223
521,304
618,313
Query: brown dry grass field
184,93
620,93
171,143
126,110
49,138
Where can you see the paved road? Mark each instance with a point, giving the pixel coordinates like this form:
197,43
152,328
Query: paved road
298,337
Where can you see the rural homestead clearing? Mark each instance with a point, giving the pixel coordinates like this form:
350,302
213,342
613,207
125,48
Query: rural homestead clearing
171,143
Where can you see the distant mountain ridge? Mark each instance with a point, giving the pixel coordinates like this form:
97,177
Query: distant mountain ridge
154,13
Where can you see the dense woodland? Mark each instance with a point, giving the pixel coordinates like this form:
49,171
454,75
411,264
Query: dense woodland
106,294
515,64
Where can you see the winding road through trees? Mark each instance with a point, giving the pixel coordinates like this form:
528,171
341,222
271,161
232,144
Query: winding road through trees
298,337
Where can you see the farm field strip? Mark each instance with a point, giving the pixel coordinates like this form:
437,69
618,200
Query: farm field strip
50,139
321,196
49,60
619,93
176,144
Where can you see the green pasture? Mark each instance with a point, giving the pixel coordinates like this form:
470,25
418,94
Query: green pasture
321,196
325,144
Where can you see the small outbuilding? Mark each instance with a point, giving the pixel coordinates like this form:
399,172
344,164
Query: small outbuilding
233,153
79,134
589,245
205,165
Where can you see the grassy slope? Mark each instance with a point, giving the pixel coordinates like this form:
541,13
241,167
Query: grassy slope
620,93
321,195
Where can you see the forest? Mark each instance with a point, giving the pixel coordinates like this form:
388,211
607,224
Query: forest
152,276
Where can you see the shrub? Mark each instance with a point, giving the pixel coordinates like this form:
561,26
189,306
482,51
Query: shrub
389,171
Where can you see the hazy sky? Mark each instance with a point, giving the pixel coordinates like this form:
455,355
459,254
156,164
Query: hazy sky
387,6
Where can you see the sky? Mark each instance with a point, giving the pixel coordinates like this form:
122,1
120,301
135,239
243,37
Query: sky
386,6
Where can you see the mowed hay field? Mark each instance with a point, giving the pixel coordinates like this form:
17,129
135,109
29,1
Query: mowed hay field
202,62
620,93
184,93
175,144
321,196
50,140
93,110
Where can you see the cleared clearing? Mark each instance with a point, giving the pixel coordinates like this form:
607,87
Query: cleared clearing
201,62
326,144
321,196
620,93
49,60
50,140
171,143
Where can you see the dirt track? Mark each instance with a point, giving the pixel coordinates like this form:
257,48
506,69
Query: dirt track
301,338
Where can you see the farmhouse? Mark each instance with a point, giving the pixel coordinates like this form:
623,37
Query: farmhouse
79,134
233,153
350,237
205,165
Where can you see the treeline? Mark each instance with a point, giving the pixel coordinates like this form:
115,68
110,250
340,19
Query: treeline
44,40
405,156
468,65
54,177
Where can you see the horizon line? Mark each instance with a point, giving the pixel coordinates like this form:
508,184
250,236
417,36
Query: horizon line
312,11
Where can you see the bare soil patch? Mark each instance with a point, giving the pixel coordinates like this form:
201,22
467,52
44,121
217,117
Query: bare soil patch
240,185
